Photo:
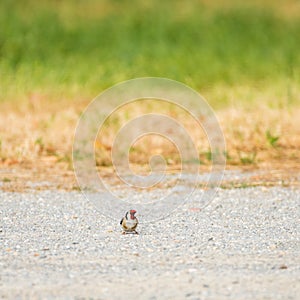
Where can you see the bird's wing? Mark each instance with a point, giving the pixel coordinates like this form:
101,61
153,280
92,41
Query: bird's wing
135,226
121,221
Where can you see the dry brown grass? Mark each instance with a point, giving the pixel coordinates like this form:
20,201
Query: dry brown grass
36,141
287,8
31,135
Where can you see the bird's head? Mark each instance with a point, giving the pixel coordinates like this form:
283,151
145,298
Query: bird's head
132,213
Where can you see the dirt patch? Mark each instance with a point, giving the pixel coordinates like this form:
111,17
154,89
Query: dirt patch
45,175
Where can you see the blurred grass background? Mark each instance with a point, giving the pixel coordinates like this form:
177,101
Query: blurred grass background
72,50
242,56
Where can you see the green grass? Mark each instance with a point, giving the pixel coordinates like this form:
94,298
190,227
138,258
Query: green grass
73,49
272,139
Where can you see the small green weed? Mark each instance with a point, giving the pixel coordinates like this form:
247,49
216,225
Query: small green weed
247,158
272,139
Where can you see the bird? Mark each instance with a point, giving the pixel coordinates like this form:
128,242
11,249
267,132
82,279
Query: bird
129,222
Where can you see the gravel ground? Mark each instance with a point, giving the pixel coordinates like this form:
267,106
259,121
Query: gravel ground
244,245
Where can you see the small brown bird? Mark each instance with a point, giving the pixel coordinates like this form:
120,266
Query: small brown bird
129,222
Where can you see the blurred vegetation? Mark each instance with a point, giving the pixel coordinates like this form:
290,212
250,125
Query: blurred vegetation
70,49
